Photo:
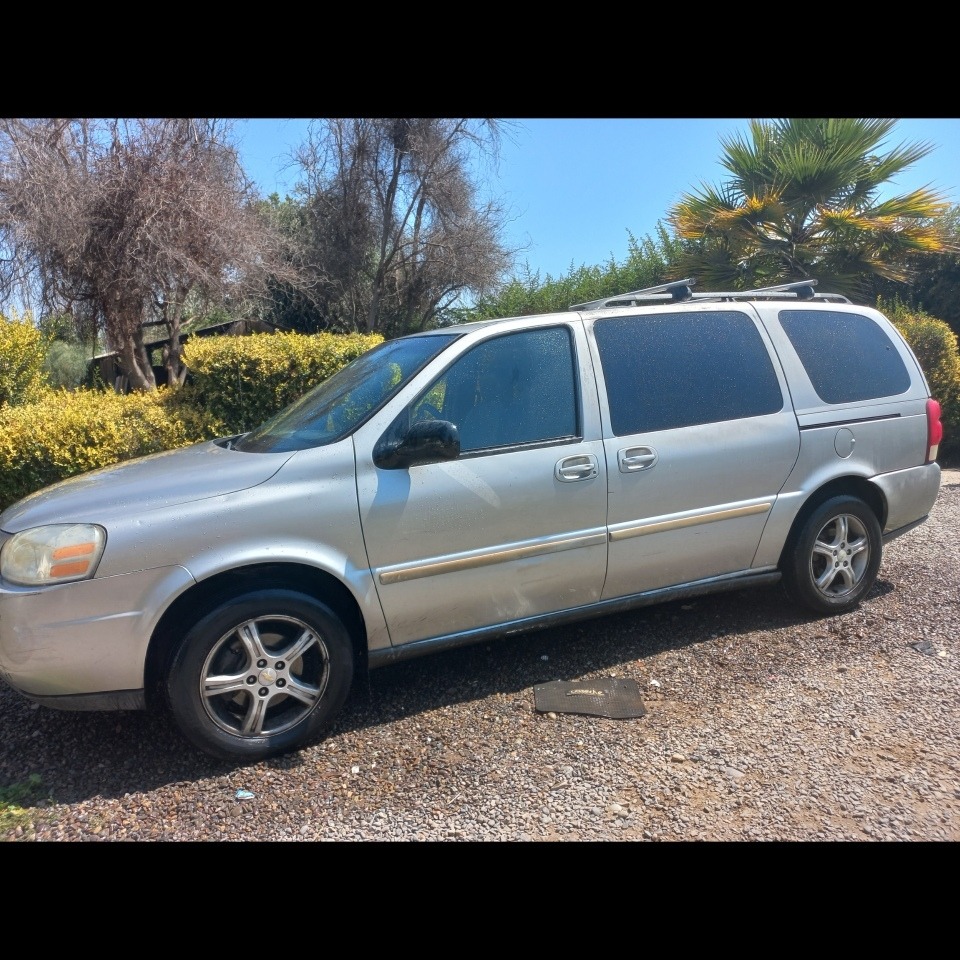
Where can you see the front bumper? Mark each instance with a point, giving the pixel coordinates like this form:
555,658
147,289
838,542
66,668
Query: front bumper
83,646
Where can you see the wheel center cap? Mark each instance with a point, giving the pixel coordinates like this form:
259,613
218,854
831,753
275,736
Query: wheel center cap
267,675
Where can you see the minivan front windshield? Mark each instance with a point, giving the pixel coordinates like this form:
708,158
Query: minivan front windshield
342,402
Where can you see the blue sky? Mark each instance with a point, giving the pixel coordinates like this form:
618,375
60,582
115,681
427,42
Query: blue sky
575,187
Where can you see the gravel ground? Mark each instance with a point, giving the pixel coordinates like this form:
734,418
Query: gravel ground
761,723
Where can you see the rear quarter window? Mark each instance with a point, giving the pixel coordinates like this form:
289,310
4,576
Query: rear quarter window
848,356
670,370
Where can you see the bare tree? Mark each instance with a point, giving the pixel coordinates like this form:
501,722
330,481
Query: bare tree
129,220
396,228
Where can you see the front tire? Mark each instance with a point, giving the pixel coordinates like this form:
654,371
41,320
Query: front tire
835,557
260,675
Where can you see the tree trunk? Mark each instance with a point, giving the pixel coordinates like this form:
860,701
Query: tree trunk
136,365
172,355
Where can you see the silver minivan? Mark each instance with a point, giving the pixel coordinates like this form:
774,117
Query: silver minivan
470,482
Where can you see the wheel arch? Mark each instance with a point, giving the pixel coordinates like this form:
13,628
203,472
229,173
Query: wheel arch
858,487
222,587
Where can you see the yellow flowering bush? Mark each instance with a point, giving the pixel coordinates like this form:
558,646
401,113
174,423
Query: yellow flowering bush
23,350
243,381
65,433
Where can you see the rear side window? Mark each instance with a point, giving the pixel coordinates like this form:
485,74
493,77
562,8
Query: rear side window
680,369
848,356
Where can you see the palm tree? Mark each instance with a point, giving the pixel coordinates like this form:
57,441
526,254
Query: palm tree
804,201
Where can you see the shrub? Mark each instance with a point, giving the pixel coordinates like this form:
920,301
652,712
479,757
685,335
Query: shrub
66,364
23,350
936,348
243,381
67,433
238,382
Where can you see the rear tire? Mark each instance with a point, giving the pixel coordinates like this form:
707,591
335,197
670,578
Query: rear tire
834,559
260,675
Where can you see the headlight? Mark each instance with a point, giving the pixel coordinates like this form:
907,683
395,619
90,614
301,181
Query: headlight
56,553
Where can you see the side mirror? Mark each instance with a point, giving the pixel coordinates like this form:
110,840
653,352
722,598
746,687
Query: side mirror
428,441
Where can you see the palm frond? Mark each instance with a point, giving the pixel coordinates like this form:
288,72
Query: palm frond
803,199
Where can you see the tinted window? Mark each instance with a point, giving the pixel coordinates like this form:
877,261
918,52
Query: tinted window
517,388
678,369
848,356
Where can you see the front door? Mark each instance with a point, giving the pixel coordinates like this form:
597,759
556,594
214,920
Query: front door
515,527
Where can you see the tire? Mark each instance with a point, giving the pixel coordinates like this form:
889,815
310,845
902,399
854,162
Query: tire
260,675
834,559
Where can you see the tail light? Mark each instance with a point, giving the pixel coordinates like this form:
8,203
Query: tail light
934,430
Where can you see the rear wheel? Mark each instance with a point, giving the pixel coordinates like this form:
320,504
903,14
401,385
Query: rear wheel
835,557
260,675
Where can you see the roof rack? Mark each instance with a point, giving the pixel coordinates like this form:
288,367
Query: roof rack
681,290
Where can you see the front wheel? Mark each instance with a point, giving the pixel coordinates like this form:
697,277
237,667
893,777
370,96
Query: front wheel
260,675
835,557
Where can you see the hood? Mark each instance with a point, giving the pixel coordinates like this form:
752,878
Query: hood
146,483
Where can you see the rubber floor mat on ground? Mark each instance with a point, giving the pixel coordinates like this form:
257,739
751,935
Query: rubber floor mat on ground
610,697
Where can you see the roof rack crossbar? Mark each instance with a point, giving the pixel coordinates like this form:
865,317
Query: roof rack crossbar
802,288
677,289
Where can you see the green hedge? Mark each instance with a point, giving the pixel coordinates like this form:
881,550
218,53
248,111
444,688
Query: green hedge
70,432
243,381
936,347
